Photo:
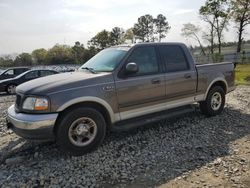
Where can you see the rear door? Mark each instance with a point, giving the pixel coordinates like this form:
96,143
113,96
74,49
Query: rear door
138,93
181,77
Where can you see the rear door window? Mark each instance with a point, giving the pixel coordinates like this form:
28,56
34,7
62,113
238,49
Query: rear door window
46,73
31,75
173,58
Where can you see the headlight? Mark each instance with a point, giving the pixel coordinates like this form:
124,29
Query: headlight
36,103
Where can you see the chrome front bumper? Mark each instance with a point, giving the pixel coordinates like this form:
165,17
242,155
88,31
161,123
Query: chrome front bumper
32,126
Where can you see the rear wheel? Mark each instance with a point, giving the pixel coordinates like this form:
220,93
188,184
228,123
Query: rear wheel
80,131
11,89
214,103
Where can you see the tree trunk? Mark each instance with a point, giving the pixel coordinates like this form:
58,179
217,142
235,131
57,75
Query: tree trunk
212,37
218,35
159,33
240,37
219,43
212,45
202,49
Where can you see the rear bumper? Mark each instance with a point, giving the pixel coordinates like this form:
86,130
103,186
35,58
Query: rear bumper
32,126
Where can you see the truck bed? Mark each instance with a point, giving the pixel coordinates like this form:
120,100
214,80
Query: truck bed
207,74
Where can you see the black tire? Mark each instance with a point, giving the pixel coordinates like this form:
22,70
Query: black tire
7,89
206,106
63,127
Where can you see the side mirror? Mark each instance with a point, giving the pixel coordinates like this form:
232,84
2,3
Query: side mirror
132,68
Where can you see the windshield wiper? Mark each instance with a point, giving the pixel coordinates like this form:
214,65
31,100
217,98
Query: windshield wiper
90,69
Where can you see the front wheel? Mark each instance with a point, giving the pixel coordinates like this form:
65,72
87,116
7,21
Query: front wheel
11,89
80,131
214,103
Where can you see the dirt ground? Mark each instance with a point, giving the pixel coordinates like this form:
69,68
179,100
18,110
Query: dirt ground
232,170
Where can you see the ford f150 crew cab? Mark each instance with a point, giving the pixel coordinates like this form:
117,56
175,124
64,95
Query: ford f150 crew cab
119,87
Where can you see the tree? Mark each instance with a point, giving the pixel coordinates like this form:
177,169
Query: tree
191,31
6,61
144,28
116,35
24,59
39,56
129,35
241,16
90,52
162,26
79,52
101,40
60,54
209,36
216,12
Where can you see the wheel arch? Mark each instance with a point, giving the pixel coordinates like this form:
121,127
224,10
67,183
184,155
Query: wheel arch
6,87
217,82
94,102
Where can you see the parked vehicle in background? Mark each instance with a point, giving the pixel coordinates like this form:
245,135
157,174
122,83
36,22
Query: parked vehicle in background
120,87
9,85
12,72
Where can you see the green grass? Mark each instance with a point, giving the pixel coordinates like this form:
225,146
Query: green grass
242,74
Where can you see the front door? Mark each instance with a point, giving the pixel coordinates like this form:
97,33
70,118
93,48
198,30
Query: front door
140,93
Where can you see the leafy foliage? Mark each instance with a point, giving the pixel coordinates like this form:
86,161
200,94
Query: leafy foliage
147,27
117,36
144,28
106,38
216,13
129,35
191,31
23,59
101,40
60,54
82,54
162,26
39,56
241,16
6,61
79,52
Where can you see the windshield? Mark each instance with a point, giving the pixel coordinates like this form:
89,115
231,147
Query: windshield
106,60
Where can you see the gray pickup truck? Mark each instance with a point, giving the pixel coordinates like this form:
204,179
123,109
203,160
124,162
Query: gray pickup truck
120,87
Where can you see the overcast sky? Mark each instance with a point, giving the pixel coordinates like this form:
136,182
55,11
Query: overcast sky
29,24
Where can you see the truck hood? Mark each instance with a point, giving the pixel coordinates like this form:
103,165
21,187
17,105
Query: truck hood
59,82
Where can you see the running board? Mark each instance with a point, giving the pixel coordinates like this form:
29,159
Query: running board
129,124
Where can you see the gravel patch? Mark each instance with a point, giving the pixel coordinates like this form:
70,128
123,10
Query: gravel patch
169,151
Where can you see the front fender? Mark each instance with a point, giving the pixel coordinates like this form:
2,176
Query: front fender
114,117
